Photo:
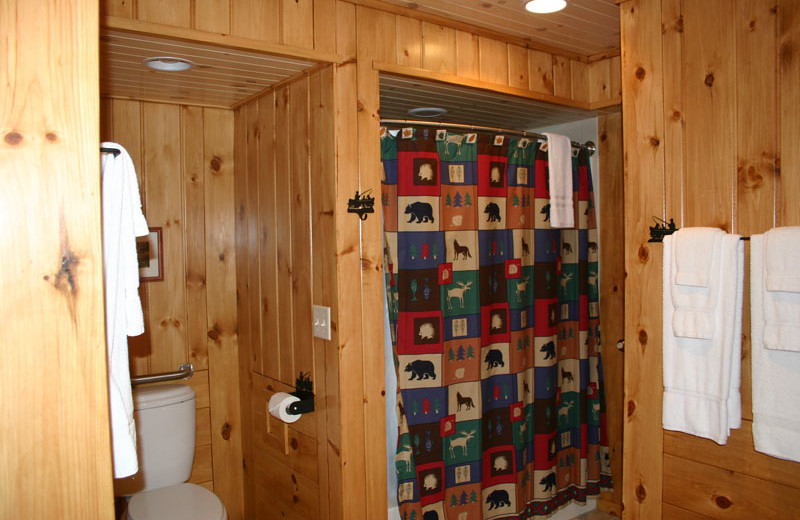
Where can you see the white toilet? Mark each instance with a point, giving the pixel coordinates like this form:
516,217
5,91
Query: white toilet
165,427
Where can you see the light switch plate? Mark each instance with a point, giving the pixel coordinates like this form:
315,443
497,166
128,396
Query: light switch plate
322,322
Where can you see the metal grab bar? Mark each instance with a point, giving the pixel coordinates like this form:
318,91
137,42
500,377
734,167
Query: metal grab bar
185,371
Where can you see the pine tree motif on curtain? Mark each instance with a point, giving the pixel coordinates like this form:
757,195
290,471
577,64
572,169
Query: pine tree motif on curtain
495,324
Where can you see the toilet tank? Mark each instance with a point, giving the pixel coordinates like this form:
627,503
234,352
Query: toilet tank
165,435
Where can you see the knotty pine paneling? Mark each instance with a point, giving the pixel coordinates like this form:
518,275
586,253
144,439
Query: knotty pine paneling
55,456
184,161
719,71
642,125
369,452
304,23
284,141
400,39
611,228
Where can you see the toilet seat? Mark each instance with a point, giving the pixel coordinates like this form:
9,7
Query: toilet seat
178,502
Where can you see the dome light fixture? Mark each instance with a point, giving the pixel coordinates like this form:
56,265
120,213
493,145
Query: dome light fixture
427,112
545,6
168,63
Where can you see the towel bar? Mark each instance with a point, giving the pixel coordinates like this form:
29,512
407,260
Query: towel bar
185,371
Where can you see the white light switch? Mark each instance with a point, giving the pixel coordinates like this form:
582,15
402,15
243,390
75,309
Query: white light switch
322,322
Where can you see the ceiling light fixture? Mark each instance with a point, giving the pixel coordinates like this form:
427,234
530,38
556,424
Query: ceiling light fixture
427,112
545,6
168,63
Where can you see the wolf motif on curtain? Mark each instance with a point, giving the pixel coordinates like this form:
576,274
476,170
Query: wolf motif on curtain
495,325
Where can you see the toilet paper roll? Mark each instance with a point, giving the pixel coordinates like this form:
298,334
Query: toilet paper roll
279,404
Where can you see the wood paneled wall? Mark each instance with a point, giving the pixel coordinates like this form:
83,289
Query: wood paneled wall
55,450
286,187
611,229
302,23
422,48
184,161
709,106
414,41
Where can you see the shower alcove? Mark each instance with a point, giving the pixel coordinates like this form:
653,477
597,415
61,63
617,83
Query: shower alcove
247,163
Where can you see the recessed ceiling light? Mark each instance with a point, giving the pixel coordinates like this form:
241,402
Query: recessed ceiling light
545,6
168,63
427,112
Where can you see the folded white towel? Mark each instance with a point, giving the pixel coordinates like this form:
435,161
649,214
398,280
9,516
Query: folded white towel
781,259
776,426
559,158
693,250
696,254
781,301
123,221
701,376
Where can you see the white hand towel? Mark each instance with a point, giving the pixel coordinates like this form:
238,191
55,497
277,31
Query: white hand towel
701,376
697,252
559,158
693,250
122,222
781,259
781,301
776,425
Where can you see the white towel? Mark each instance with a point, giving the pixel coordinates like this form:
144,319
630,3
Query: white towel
123,221
702,376
559,158
694,252
781,300
776,425
781,261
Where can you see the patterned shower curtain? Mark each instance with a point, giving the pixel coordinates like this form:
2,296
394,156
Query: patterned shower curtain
495,328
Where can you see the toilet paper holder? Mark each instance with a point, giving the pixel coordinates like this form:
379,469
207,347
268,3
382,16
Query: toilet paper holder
305,392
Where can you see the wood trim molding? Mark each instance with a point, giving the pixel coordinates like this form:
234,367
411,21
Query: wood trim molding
223,40
603,55
413,72
607,105
272,88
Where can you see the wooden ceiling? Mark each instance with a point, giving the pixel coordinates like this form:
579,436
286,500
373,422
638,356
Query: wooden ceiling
470,106
221,77
585,27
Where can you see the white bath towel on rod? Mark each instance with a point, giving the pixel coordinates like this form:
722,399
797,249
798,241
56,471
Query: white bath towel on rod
702,376
123,221
776,426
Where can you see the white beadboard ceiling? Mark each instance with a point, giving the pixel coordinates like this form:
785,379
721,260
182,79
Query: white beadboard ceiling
585,27
470,106
221,76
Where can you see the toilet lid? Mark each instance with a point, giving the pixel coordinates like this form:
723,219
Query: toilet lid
179,502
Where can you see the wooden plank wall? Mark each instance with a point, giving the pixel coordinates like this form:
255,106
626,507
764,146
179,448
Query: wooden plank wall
55,453
415,40
708,106
284,141
184,161
611,229
303,23
427,49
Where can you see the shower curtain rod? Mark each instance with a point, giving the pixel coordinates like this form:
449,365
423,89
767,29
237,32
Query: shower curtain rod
589,145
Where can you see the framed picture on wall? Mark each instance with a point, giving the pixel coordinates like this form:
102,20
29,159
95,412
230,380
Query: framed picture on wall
149,251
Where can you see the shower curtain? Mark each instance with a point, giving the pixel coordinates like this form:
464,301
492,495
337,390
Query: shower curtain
495,328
